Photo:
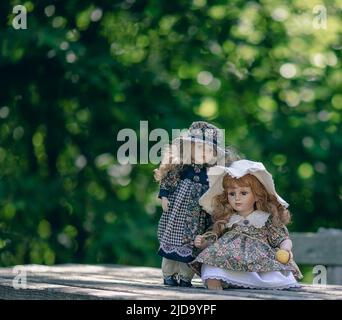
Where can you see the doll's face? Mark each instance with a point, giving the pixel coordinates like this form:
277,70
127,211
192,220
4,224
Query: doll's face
201,153
241,199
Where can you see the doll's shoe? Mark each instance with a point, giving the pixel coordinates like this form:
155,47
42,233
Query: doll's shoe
185,284
171,281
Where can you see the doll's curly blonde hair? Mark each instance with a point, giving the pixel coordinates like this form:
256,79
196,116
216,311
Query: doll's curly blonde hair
222,210
172,160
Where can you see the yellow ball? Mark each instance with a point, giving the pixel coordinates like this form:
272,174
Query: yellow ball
283,256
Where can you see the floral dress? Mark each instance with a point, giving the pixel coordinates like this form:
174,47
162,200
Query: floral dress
244,256
185,218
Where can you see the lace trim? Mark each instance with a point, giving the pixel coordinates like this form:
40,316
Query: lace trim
238,284
181,251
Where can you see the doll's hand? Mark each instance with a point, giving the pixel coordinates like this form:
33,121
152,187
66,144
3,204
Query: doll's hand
199,242
287,245
165,204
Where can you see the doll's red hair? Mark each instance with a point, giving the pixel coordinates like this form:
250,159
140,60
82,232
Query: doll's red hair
222,210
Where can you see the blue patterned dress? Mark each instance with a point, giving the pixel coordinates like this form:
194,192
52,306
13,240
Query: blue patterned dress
185,219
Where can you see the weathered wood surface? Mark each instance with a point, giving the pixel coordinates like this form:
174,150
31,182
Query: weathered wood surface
126,282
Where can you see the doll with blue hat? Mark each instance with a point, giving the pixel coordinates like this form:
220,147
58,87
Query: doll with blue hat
183,179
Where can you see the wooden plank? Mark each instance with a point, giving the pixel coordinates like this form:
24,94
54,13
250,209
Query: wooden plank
51,291
317,248
126,282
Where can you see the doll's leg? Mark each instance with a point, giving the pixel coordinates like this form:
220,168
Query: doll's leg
214,284
185,274
170,269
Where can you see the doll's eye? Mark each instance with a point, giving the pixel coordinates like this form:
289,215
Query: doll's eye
244,193
232,194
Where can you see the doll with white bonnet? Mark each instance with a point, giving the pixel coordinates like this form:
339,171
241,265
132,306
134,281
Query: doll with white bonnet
253,249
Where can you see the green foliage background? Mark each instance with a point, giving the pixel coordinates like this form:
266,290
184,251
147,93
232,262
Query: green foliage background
83,70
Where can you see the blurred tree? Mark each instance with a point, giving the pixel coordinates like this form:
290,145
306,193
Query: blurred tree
83,70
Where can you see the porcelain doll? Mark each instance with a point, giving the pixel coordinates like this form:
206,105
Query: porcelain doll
250,221
183,180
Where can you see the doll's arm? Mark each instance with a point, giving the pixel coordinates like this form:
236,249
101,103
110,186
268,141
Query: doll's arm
169,183
165,204
277,235
167,186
